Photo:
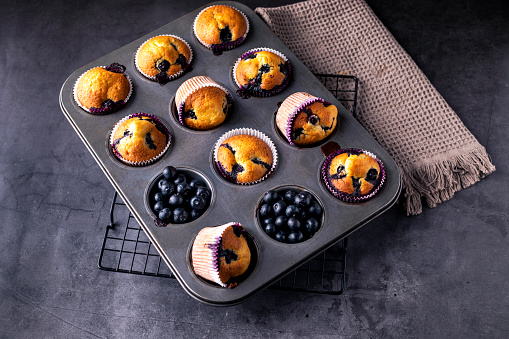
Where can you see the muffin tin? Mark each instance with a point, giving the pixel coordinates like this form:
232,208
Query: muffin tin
193,151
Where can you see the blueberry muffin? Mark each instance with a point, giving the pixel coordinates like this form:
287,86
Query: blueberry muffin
221,254
244,159
139,139
163,58
261,72
353,175
202,104
103,90
305,119
221,28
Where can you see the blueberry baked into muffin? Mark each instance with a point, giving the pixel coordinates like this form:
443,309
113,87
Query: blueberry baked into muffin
202,104
163,58
222,254
139,139
221,28
103,90
244,159
305,119
353,175
261,72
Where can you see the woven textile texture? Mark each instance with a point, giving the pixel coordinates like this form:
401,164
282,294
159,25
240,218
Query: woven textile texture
397,104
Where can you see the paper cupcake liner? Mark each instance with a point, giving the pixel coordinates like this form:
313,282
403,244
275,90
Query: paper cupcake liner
205,251
105,110
290,108
169,77
160,124
192,85
219,48
252,132
245,93
344,196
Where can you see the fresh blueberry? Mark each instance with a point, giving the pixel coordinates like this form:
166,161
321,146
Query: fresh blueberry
281,236
303,215
292,210
302,199
270,229
181,178
203,192
169,172
195,214
270,197
279,207
265,210
165,215
163,182
158,196
167,189
281,221
315,209
293,224
195,183
176,200
269,220
197,203
159,206
180,215
312,226
184,189
290,196
295,237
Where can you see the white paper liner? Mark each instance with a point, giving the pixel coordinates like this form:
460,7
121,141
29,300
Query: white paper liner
233,45
252,132
192,85
173,76
140,163
75,95
254,50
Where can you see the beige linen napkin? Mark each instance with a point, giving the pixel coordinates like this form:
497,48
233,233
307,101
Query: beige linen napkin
436,153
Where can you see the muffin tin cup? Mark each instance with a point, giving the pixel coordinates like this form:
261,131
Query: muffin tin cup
343,196
289,110
170,77
102,111
189,87
252,132
243,92
139,163
219,48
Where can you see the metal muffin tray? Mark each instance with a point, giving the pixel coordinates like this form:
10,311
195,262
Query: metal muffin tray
192,151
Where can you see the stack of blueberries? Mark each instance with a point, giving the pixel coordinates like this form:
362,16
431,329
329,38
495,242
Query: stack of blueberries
178,198
290,215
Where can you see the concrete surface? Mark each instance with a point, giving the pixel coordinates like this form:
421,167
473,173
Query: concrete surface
440,274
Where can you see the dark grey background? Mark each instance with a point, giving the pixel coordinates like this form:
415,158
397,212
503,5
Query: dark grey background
440,274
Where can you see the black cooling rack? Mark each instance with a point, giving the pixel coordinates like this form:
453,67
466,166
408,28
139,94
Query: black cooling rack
127,249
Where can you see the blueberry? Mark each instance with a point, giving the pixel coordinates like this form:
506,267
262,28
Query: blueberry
295,237
312,226
176,200
290,196
165,215
269,220
184,189
281,221
167,189
203,192
270,197
163,182
293,224
279,207
180,215
270,229
195,214
302,199
281,236
197,203
181,178
195,183
169,172
303,215
159,206
292,210
158,196
315,209
265,210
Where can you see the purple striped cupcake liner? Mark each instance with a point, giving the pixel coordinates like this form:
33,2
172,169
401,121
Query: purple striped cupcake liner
245,93
159,125
348,197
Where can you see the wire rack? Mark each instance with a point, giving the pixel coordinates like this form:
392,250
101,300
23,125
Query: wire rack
127,249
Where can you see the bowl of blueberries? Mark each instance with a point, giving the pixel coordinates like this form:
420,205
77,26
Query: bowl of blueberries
178,196
290,214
